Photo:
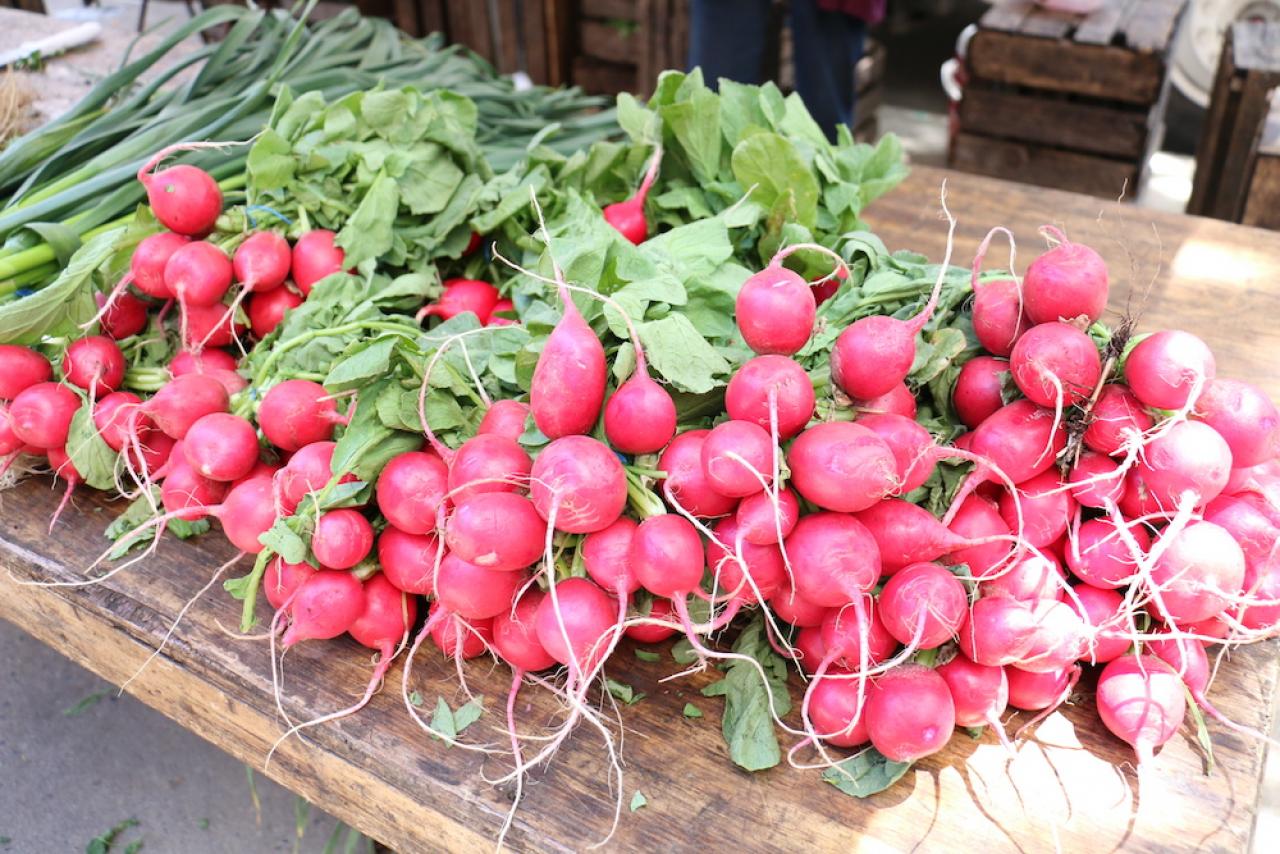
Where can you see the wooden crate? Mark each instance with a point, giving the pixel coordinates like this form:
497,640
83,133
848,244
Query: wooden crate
1068,101
622,45
1236,172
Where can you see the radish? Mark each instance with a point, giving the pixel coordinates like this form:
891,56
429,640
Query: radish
912,447
324,606
498,317
1141,700
1117,417
1248,526
836,712
764,569
146,267
95,364
795,609
473,592
606,556
574,623
834,558
1000,630
462,295
183,198
569,379
627,216
1047,507
978,519
923,603
686,484
578,485
998,316
1189,461
640,417
1260,608
496,530
1197,572
125,317
9,442
737,458
1055,365
262,262
111,417
342,538
660,609
1096,481
148,456
775,311
1020,439
1167,368
1059,637
768,383
666,556
411,489
315,256
909,713
387,617
1245,418
1036,691
808,650
488,462
824,289
309,470
515,637
204,362
40,415
198,274
1066,283
66,470
188,495
246,513
843,636
21,368
281,579
210,326
907,533
1098,555
221,446
761,523
459,638
842,466
296,413
1105,613
897,401
409,560
979,389
505,418
1034,576
980,693
268,310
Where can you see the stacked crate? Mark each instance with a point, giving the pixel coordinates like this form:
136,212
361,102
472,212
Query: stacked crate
1074,102
623,44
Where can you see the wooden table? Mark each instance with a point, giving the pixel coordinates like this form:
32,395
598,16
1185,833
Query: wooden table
1068,785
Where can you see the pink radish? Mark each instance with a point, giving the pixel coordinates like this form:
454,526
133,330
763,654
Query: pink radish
836,712
204,362
387,616
296,413
909,713
40,415
775,382
843,636
246,513
764,565
912,447
834,558
21,368
515,636
979,390
498,317
473,592
1096,481
268,310
842,466
1198,571
737,459
978,519
463,295
795,609
666,556
1105,613
1034,576
923,603
574,623
149,260
1055,364
1000,630
606,556
459,638
907,533
627,216
281,579
1067,282
1245,418
1165,368
409,560
1248,526
1098,554
342,538
111,417
324,606
262,262
1046,507
183,198
640,417
1036,691
686,484
1189,461
308,470
980,693
897,401
125,317
1021,439
998,316
761,523
775,311
1059,638
496,530
504,418
95,364
579,484
1117,416
210,326
808,651
198,274
411,488
221,446
661,609
1141,700
488,462
568,384
315,256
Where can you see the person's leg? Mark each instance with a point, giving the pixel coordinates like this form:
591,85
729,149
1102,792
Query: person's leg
826,47
727,39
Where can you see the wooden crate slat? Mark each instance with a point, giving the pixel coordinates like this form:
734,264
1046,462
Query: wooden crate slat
605,78
468,23
1042,166
607,42
1100,26
625,10
1048,24
1007,16
1055,122
405,14
1099,71
1262,208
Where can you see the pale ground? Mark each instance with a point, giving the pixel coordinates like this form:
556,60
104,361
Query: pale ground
118,759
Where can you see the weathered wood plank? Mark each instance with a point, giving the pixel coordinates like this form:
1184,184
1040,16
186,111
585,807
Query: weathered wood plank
1262,207
624,10
1098,71
377,771
1058,122
1043,166
610,42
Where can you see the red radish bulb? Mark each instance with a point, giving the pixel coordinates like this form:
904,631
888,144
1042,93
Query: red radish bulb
315,255
1067,282
268,310
262,262
95,363
775,311
149,260
184,198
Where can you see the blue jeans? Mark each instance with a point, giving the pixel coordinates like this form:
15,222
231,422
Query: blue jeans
727,38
